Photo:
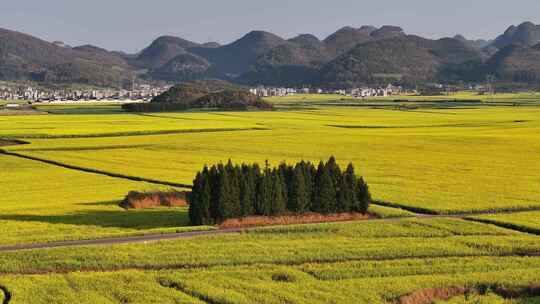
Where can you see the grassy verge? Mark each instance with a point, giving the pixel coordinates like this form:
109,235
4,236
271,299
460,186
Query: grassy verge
389,212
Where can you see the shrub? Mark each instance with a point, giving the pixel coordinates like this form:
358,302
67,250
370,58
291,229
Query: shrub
143,200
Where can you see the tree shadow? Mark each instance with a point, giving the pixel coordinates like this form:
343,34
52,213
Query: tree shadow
133,219
106,203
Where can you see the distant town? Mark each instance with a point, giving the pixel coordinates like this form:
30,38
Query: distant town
352,92
40,95
145,93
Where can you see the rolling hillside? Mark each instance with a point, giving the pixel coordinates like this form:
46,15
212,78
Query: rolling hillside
25,57
350,56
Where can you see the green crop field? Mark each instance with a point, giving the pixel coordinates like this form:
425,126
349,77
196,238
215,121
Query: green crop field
42,203
423,155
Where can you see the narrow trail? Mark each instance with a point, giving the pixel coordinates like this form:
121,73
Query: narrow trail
120,240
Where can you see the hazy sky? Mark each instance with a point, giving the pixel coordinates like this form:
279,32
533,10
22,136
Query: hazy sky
130,25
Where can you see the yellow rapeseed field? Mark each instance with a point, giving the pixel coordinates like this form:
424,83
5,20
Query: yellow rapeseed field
445,160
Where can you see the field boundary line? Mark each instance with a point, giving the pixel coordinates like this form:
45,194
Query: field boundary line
427,212
94,171
192,293
7,294
510,226
176,266
138,133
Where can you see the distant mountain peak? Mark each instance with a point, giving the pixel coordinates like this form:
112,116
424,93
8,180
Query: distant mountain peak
258,36
527,33
305,39
162,50
387,31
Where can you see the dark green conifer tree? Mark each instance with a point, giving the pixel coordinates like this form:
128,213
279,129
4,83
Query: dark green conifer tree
264,192
204,200
310,172
347,196
325,191
278,200
200,198
364,196
234,173
225,200
248,191
334,171
299,198
213,180
195,204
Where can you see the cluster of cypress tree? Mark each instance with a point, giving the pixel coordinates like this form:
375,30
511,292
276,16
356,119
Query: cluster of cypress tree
232,191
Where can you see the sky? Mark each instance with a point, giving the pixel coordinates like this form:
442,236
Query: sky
130,25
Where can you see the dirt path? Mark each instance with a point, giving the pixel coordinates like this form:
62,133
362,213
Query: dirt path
119,240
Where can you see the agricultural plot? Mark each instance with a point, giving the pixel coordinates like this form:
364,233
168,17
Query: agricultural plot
48,203
289,245
522,221
70,126
259,284
435,160
438,160
370,262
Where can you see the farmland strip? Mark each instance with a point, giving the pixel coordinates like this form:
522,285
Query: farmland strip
95,171
511,226
174,236
199,266
135,133
192,293
423,212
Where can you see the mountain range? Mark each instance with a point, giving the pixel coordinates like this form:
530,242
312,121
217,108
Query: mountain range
349,57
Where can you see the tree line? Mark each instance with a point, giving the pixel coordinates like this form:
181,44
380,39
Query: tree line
226,191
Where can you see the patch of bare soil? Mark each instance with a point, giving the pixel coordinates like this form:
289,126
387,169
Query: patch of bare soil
428,296
145,200
309,218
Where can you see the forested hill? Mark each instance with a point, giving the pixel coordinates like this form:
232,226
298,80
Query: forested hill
202,95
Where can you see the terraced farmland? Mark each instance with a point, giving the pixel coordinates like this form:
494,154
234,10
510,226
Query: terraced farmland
370,262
